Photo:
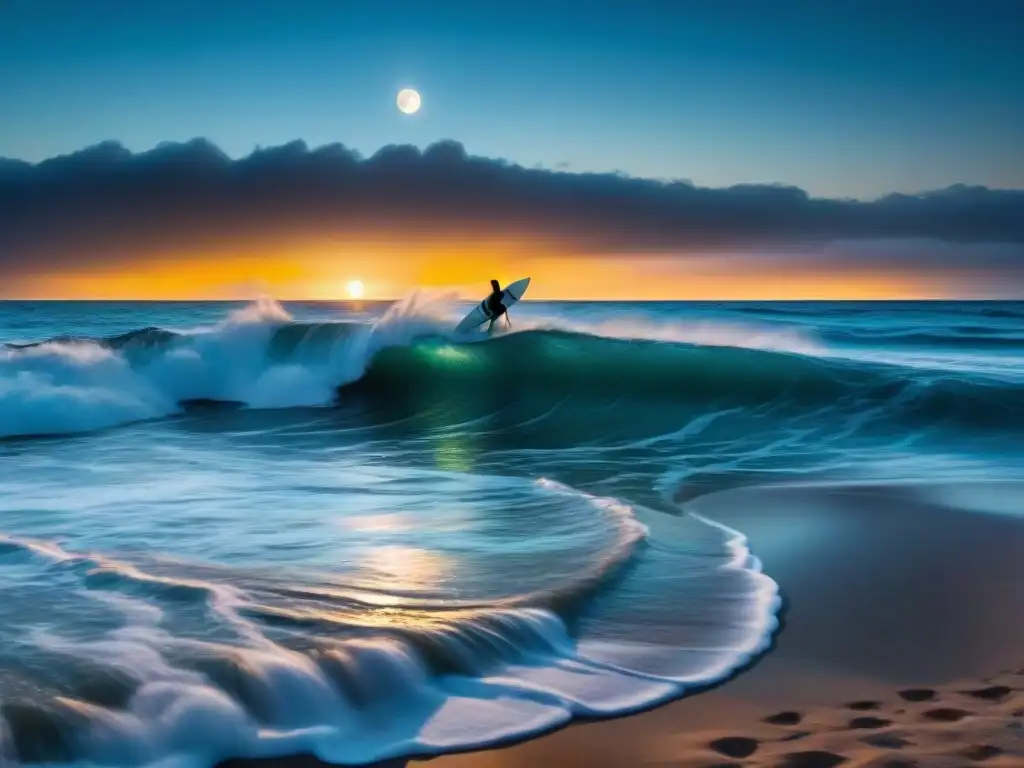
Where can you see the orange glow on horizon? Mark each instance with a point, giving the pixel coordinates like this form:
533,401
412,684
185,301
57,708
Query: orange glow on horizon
318,271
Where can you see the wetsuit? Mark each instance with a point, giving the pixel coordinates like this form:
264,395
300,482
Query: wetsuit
494,305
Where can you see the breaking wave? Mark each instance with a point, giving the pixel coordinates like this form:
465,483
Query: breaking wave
260,358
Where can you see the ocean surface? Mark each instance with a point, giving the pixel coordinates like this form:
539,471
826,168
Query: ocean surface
232,530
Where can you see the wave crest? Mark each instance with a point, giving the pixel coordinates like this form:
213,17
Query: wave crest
260,357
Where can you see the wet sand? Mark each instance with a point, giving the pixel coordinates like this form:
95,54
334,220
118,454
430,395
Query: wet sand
959,725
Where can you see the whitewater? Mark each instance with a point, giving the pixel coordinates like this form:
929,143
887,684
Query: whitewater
342,530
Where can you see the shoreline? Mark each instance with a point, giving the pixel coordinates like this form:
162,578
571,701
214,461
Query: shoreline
955,724
886,588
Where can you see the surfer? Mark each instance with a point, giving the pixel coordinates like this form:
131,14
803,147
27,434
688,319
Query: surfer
494,306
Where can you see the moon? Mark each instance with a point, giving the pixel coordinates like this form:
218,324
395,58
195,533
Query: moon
356,289
408,101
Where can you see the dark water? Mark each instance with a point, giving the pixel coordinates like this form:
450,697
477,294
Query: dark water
240,531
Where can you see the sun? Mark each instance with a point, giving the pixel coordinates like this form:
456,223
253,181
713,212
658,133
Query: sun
356,289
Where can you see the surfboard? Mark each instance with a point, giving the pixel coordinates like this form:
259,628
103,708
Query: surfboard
481,314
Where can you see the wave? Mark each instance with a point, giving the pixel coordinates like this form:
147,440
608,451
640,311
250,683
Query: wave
1002,312
957,337
260,358
69,385
358,681
681,382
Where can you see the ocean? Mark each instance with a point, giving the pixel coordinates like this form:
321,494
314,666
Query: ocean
244,530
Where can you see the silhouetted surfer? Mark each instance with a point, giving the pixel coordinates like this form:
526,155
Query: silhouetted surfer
494,306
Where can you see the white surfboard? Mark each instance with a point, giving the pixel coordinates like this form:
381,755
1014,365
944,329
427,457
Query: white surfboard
481,314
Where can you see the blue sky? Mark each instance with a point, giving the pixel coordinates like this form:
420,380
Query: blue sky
841,98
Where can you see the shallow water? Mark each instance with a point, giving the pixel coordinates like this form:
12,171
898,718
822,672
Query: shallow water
234,530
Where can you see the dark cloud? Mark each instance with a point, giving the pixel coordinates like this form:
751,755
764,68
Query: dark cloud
105,202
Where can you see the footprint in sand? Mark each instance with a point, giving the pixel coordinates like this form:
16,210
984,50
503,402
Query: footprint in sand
869,722
917,694
980,752
735,746
864,706
784,718
886,741
992,693
812,759
946,714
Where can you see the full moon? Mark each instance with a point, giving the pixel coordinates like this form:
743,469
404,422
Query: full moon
408,101
355,289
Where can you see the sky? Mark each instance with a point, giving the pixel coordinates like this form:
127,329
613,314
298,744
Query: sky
718,149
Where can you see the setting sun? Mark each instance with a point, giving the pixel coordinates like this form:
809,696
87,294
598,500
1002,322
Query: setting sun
355,289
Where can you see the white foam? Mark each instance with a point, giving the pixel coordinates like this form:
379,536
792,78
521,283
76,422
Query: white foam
712,333
61,387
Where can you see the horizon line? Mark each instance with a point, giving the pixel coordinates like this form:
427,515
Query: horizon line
920,300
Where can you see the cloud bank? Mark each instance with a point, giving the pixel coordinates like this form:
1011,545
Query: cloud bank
105,203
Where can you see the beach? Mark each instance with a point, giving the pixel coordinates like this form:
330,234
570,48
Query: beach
962,724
